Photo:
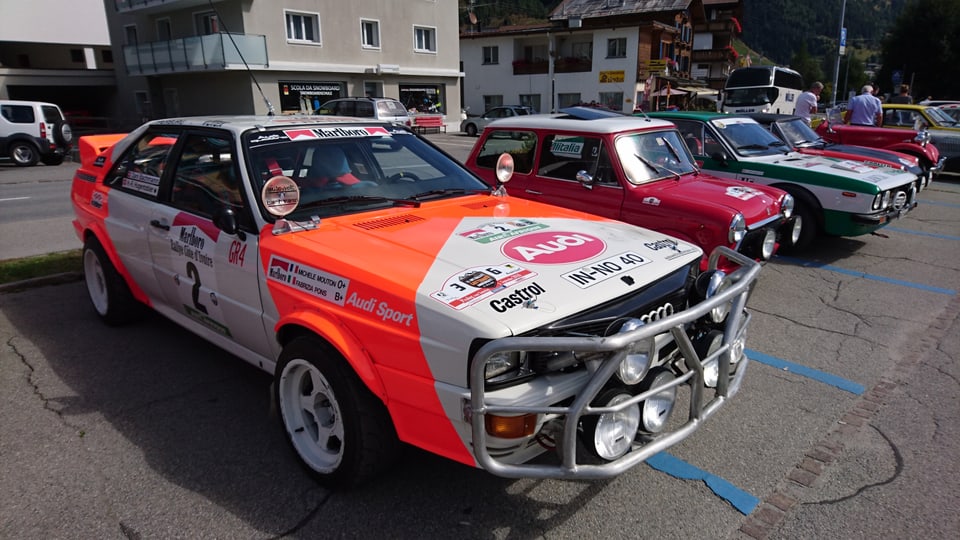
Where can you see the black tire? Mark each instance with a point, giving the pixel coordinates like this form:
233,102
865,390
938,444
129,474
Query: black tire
809,212
53,160
109,293
24,154
472,130
62,134
346,437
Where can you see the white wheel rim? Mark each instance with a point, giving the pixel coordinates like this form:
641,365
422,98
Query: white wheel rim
96,281
311,415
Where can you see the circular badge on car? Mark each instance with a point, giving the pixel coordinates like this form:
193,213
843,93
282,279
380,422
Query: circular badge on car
554,247
280,195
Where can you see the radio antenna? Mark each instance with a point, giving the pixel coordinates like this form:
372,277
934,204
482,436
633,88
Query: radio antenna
270,109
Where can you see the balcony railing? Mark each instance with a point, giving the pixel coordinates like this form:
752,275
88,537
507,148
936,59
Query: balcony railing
712,55
212,52
572,65
124,6
530,67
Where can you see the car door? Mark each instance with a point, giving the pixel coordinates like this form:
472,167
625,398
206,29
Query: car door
209,277
133,199
554,179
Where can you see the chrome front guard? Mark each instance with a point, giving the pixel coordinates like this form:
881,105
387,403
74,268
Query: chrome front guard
619,346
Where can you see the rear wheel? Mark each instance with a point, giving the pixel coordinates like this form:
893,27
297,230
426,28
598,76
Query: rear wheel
341,432
52,160
24,154
109,294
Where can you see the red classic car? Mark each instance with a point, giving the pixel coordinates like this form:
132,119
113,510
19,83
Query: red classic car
909,141
635,170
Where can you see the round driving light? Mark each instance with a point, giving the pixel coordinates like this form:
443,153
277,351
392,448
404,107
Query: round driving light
738,228
711,372
787,206
615,431
505,167
769,244
705,347
656,409
635,364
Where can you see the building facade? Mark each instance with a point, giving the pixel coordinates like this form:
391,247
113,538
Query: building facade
195,57
56,51
622,55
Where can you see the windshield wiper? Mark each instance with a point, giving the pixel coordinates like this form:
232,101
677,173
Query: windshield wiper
362,199
435,193
655,169
754,146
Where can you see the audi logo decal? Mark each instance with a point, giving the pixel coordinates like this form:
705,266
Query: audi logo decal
661,312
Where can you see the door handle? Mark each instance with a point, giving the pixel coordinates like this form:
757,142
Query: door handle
159,224
533,192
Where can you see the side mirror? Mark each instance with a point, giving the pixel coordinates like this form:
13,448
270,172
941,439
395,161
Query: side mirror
226,221
719,157
585,179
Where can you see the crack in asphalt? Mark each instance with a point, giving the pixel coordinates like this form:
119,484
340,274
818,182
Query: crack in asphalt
898,458
306,518
129,532
35,386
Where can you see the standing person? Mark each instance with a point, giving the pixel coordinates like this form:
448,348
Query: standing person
903,96
807,102
865,109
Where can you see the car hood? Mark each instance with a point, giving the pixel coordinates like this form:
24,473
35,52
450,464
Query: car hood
756,203
862,153
883,177
473,267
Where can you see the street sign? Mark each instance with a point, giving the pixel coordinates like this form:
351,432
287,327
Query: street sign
897,77
843,40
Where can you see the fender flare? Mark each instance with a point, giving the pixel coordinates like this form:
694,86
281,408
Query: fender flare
333,331
96,231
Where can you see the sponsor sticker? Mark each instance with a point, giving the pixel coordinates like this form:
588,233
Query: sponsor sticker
313,281
678,249
380,309
144,183
501,230
597,272
98,200
567,147
559,247
525,297
743,193
653,201
474,284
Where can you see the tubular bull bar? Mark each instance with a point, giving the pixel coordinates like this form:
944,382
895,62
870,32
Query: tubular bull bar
619,345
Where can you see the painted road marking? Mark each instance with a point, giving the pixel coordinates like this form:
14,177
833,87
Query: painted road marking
938,203
14,199
864,275
744,502
810,373
921,233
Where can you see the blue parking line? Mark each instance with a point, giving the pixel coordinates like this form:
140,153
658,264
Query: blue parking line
938,203
817,375
744,502
921,233
813,264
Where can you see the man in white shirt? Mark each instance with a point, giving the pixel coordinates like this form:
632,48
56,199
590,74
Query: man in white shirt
807,102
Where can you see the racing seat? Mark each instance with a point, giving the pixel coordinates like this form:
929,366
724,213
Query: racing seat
329,166
694,144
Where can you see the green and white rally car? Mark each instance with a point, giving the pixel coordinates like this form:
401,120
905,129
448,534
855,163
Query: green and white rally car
833,196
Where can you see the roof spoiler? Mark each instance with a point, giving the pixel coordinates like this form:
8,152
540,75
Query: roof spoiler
91,146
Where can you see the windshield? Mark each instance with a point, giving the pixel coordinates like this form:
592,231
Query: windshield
796,133
356,169
750,97
650,156
747,137
941,118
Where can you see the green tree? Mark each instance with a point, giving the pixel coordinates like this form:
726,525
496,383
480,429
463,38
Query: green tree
925,44
807,66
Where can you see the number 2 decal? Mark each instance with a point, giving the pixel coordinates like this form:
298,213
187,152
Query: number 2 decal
194,274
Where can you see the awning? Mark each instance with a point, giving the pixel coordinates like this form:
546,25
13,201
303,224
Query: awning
673,92
699,90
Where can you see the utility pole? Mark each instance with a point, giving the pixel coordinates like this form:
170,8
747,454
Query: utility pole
840,45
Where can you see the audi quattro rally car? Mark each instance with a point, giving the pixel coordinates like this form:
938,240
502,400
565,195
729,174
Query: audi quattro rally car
638,171
832,196
394,297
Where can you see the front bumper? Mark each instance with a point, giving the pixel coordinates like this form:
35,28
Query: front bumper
891,213
564,406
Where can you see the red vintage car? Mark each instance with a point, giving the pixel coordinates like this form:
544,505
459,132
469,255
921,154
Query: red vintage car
803,139
635,170
909,141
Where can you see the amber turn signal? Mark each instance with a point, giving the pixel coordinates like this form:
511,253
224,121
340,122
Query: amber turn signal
511,427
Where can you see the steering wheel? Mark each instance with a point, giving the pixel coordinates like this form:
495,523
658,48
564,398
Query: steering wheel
403,177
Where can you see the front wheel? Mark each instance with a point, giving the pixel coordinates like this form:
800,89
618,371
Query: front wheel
341,432
472,130
808,228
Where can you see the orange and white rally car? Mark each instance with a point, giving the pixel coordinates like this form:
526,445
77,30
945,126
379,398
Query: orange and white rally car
395,297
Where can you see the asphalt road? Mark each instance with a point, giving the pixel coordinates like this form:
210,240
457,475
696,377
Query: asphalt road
846,426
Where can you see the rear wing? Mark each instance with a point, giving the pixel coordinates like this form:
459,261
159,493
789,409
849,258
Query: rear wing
91,146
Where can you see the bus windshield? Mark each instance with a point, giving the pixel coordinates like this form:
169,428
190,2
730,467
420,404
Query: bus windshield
742,97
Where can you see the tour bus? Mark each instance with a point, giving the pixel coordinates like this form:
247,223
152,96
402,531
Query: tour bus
766,89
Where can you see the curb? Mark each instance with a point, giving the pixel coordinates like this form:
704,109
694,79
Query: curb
53,279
